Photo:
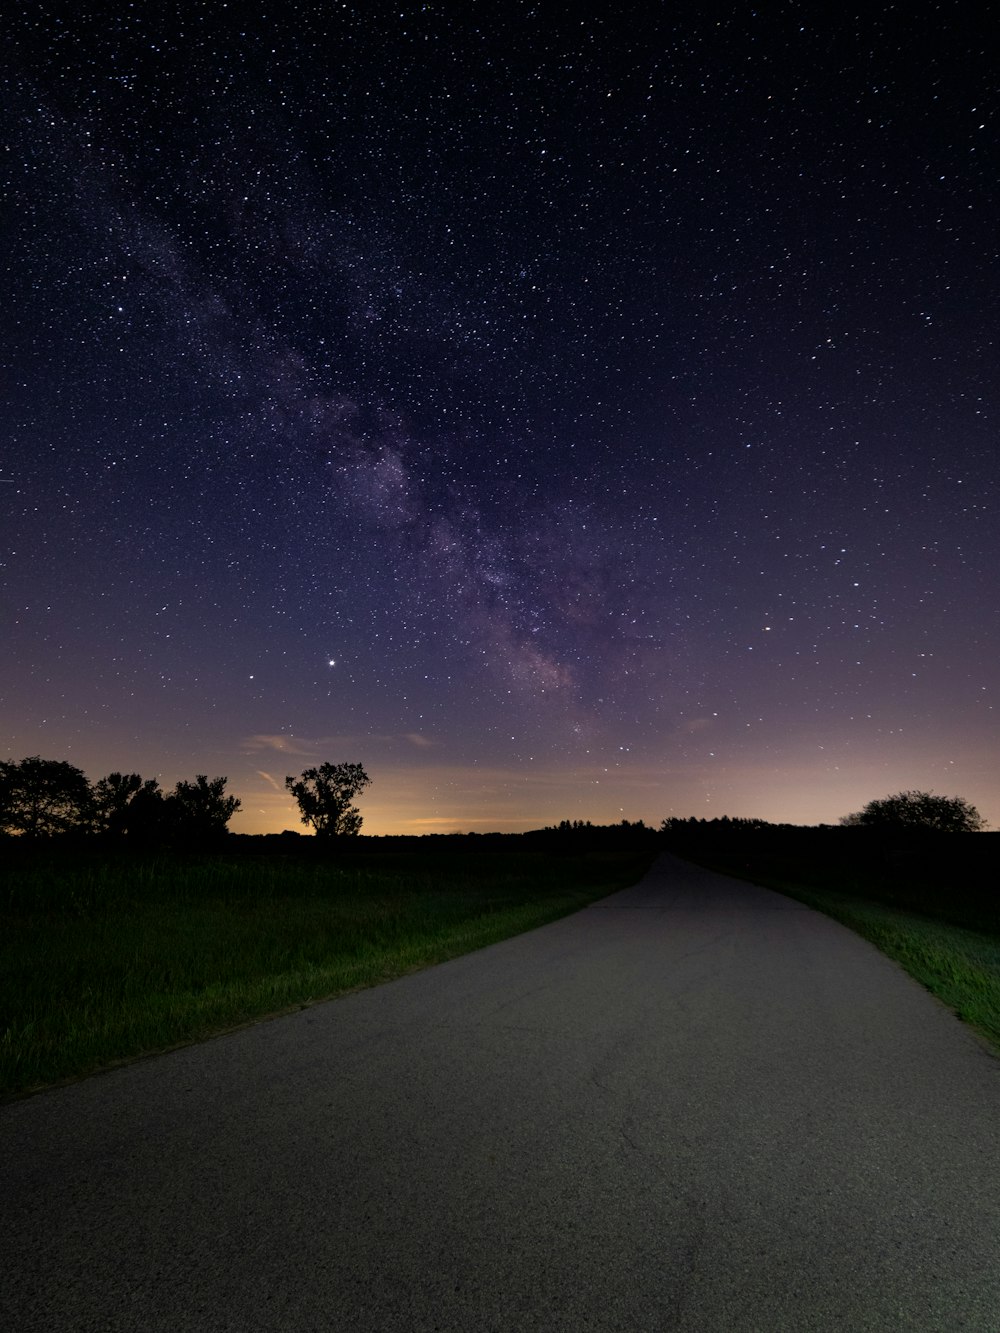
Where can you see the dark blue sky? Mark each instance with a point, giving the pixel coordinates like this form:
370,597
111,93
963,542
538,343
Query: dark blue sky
565,412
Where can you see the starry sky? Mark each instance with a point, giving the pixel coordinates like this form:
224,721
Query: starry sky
564,410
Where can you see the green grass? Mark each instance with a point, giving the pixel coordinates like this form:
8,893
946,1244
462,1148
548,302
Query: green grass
958,964
105,961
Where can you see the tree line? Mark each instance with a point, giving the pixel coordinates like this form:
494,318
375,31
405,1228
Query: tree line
43,798
905,812
46,798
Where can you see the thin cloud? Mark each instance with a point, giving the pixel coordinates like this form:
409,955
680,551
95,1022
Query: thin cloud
280,745
305,748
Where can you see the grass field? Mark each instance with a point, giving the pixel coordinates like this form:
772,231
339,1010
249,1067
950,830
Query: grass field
105,960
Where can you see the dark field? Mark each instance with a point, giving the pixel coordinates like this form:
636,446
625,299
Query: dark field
107,957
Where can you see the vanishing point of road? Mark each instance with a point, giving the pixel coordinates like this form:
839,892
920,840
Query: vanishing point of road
694,1106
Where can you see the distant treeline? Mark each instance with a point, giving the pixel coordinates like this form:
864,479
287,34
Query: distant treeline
955,876
952,876
579,834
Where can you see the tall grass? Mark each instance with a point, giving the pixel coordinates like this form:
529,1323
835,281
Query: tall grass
102,961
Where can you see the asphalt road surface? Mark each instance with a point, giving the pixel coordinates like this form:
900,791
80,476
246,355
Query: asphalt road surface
694,1106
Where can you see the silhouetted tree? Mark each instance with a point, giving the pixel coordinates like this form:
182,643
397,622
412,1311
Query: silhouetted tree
43,797
325,794
918,810
199,811
148,815
124,804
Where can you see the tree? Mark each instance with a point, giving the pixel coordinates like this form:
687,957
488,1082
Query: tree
325,794
918,810
199,811
43,797
125,805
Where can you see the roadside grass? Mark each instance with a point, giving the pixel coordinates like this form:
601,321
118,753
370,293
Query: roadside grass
958,964
108,961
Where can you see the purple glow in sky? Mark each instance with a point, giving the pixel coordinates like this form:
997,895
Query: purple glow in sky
565,415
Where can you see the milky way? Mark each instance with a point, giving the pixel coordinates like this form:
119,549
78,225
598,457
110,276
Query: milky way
562,413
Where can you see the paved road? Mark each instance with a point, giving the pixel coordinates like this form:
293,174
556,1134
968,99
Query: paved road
694,1106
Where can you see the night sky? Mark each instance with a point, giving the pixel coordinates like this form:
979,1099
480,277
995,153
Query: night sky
564,411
